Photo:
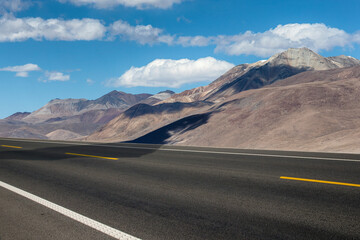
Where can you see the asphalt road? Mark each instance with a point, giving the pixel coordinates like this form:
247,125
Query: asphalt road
167,192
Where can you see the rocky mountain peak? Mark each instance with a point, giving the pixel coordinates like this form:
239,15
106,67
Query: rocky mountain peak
113,93
277,67
344,61
117,98
302,58
18,116
154,99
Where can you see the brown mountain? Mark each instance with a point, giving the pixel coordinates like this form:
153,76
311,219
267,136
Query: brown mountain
63,135
61,108
143,118
311,111
18,116
18,129
287,102
159,97
281,66
251,76
65,119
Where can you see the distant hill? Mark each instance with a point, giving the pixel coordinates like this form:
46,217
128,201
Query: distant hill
18,116
65,119
70,107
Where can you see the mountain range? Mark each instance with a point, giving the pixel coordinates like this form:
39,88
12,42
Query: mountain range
295,100
70,119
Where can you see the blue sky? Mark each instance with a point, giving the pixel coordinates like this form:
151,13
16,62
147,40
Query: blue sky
87,48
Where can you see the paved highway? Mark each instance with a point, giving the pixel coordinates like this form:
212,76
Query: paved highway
167,192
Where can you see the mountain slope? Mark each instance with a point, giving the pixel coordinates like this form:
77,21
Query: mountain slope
18,116
74,117
344,61
276,70
280,66
251,76
62,134
200,93
161,96
311,111
70,107
143,118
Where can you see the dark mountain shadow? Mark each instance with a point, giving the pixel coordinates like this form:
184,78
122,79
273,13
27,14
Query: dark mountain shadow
143,109
144,145
161,135
259,77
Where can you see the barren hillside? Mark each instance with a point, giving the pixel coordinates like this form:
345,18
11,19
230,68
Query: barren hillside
314,111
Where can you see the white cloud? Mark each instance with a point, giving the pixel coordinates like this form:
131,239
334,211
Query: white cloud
356,37
196,41
56,76
22,74
172,73
139,4
13,5
20,29
143,34
23,70
316,36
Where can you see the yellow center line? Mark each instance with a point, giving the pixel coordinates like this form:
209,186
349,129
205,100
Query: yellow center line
8,146
92,156
321,181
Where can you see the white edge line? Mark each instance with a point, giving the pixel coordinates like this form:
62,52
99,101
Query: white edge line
73,215
197,151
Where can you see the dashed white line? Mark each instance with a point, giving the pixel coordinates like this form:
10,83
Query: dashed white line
71,214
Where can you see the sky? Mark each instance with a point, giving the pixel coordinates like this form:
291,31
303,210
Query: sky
87,48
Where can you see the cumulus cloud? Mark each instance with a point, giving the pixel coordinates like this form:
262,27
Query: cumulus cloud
13,5
56,76
316,36
139,4
23,70
20,29
172,73
143,34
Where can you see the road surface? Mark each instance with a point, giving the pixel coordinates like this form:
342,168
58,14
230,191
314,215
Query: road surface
168,192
